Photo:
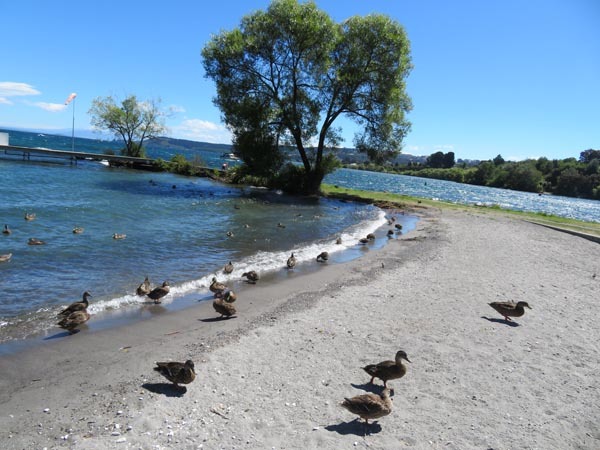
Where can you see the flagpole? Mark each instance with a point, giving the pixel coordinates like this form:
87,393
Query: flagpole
73,129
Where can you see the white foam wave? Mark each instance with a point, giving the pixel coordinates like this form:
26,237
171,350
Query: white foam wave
262,262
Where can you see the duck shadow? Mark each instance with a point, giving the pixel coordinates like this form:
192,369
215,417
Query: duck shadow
369,387
216,319
60,335
166,389
502,321
355,427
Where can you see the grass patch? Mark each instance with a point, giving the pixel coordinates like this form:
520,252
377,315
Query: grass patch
407,201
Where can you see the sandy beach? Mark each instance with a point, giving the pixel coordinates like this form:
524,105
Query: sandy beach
274,376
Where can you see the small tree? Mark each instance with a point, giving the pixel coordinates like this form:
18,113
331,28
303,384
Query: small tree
133,121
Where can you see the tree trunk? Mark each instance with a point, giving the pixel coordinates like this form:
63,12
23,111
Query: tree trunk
312,181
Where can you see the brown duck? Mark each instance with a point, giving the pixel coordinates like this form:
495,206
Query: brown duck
77,306
73,320
370,406
251,276
144,288
228,268
6,230
291,262
388,370
510,309
226,309
176,372
216,287
159,292
323,256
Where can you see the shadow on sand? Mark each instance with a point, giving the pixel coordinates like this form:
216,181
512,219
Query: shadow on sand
356,427
502,321
216,319
167,389
369,387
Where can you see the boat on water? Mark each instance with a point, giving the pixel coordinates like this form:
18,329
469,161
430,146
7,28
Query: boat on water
230,156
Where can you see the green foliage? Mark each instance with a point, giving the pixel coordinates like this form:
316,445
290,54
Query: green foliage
132,121
439,160
180,165
285,75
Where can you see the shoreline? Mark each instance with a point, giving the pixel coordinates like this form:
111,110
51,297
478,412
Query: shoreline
274,376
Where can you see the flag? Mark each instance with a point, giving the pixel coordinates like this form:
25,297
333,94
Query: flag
70,98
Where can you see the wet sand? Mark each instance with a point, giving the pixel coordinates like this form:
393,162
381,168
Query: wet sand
273,376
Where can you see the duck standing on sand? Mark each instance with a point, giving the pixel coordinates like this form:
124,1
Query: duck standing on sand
77,306
322,257
226,309
388,370
370,406
176,372
159,292
228,268
6,230
251,276
144,288
73,320
291,262
510,309
216,287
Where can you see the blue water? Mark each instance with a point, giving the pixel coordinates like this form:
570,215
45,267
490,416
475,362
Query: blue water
176,229
575,208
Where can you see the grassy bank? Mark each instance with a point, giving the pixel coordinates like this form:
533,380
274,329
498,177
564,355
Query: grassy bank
386,199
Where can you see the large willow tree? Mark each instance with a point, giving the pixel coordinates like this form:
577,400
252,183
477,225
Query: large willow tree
288,73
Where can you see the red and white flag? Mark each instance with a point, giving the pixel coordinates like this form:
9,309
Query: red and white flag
70,98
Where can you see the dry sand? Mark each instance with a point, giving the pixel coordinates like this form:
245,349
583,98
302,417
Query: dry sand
274,376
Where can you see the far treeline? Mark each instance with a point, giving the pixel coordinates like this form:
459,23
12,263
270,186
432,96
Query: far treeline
570,177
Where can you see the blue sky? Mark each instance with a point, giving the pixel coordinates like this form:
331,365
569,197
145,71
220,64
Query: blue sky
511,77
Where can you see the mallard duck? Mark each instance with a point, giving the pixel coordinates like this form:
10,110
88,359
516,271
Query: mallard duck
323,256
159,292
35,241
73,320
6,230
388,370
390,233
371,237
230,234
291,262
251,276
77,306
370,406
216,287
363,241
176,372
224,308
398,226
30,216
338,241
510,309
144,288
228,268
280,225
77,230
119,236
6,257
229,296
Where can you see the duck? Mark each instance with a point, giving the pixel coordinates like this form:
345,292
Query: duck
291,262
144,288
159,292
224,308
177,372
338,241
6,230
280,225
35,241
370,406
388,370
251,276
230,234
77,230
398,226
510,309
216,287
371,237
228,268
119,236
363,241
6,257
390,233
77,306
30,216
323,256
73,320
229,296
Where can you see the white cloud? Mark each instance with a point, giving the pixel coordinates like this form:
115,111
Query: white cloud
174,109
202,130
5,101
51,107
14,89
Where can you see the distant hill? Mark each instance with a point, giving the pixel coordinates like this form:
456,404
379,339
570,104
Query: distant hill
183,144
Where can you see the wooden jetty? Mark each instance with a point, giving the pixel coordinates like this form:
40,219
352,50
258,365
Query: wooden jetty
114,160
